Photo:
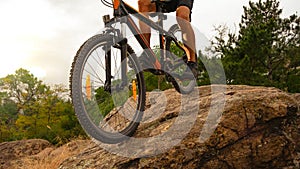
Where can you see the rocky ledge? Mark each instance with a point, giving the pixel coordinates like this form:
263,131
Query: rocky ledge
258,127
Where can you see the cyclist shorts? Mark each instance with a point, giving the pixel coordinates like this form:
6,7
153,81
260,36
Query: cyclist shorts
174,4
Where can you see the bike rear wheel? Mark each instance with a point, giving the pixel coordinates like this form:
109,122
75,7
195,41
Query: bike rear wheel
108,107
178,63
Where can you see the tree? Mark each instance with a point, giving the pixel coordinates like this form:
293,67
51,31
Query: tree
211,70
261,53
8,116
37,110
51,117
293,53
23,88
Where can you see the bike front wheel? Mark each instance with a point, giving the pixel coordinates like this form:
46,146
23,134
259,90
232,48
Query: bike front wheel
108,105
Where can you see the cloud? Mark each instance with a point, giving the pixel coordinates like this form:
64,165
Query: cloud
53,30
71,23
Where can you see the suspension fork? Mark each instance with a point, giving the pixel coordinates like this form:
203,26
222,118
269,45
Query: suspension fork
107,85
107,49
121,43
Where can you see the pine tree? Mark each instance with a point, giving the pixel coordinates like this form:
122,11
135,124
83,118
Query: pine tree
265,51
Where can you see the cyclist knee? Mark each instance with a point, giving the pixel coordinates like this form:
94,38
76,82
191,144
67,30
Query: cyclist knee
146,6
183,13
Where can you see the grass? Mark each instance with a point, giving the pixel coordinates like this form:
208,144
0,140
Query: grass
51,158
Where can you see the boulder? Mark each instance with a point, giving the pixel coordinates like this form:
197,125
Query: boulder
11,151
259,127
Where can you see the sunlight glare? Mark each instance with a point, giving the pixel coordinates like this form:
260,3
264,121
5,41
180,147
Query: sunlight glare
12,56
38,72
24,25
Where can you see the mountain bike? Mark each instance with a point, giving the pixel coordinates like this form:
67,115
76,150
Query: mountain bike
107,82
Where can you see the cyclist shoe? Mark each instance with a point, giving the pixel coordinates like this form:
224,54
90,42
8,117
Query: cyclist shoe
191,71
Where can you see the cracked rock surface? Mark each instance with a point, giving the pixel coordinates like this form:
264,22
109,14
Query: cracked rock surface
259,128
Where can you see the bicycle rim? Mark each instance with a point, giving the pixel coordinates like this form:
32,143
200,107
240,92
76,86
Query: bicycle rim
108,114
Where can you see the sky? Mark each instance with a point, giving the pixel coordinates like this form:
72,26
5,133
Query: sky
43,36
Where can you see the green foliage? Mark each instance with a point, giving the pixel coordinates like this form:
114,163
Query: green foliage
211,70
8,115
31,109
154,82
22,87
105,101
293,81
266,50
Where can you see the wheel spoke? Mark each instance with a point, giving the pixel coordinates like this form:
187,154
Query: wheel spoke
109,112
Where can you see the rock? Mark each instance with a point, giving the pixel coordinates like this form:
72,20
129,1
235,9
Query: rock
297,97
48,157
14,150
259,128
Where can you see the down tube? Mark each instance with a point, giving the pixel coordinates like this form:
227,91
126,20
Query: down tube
138,34
143,42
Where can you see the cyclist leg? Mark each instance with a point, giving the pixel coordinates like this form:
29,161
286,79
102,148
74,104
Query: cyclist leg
183,14
146,6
